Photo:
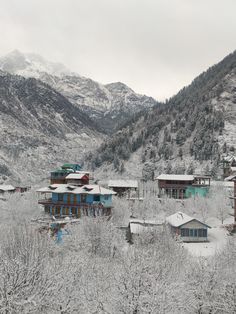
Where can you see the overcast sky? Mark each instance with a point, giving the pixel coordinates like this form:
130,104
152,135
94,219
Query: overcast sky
154,46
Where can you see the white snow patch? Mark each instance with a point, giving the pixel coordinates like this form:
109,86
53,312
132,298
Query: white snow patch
217,237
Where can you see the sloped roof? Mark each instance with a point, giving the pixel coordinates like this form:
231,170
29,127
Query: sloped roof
6,188
68,165
76,176
179,219
230,178
176,177
123,183
85,189
139,225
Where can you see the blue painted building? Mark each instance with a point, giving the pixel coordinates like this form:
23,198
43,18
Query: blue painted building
67,200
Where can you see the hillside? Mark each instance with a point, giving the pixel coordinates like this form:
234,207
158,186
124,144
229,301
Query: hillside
185,134
109,105
40,129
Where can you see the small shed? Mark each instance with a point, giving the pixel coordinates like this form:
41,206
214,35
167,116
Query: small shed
122,187
141,226
7,189
187,228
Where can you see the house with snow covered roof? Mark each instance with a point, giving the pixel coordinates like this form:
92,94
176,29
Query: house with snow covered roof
61,200
77,178
137,227
229,165
59,175
188,229
182,186
4,188
122,187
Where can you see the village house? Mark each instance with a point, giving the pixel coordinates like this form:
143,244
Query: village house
186,228
59,176
5,189
228,165
124,187
142,226
183,186
78,178
68,200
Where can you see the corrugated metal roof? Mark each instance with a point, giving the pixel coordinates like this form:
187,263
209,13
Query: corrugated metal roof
123,183
176,177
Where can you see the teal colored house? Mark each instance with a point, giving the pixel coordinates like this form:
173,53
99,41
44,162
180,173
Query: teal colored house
74,167
181,186
66,200
58,176
196,191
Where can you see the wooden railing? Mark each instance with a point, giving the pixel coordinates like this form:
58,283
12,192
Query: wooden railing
49,201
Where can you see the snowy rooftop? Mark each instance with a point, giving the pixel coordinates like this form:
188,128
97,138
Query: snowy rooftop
85,189
229,158
140,225
176,177
6,188
76,176
229,178
123,183
179,219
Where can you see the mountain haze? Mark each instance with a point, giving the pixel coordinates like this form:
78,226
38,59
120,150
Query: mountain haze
109,105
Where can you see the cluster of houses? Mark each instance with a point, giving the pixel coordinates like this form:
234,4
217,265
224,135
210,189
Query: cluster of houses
183,186
9,189
182,226
71,194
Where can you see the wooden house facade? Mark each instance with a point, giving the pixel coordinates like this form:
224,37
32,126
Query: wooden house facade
124,187
188,229
183,186
58,176
61,200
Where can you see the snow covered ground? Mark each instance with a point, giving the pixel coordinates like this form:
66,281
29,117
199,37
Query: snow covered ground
217,236
217,241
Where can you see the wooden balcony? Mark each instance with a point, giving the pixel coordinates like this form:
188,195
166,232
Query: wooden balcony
49,201
164,185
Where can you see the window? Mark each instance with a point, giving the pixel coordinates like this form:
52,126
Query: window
96,198
202,233
60,197
83,198
106,197
184,232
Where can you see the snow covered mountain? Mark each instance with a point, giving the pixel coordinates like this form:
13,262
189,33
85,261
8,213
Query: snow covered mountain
40,129
188,133
109,105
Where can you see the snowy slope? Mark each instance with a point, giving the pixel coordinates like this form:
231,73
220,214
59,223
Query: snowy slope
40,129
187,134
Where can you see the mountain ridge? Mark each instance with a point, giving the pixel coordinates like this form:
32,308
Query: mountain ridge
106,104
186,133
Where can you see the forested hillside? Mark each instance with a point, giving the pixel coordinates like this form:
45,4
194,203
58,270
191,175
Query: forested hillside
39,129
194,124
